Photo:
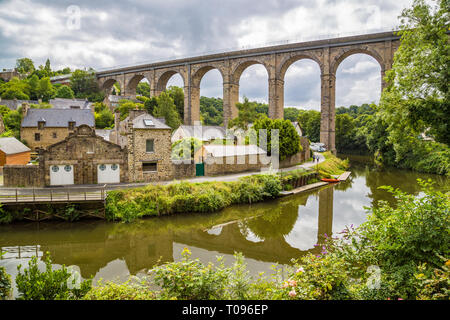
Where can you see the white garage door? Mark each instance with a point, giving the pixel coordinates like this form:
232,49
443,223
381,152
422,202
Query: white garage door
61,175
108,173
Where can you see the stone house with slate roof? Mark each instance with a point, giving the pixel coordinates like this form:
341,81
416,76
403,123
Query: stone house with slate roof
41,128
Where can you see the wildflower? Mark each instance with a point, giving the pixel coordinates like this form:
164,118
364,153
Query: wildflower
292,293
300,269
447,263
285,284
292,283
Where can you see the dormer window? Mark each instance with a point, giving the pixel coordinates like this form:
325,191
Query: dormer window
71,125
41,124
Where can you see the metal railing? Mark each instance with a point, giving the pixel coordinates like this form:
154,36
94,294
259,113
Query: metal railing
72,194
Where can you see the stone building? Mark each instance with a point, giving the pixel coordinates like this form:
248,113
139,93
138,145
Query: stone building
149,149
83,158
41,128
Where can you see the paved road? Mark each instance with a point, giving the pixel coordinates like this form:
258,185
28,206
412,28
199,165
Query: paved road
81,189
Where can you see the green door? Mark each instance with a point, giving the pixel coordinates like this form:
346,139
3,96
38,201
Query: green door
199,169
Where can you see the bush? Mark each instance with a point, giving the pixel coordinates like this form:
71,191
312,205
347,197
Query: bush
51,284
123,291
190,279
5,284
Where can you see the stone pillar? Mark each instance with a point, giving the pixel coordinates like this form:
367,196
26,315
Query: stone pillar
195,104
230,98
276,98
327,109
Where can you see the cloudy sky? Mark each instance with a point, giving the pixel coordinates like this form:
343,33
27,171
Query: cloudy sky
105,33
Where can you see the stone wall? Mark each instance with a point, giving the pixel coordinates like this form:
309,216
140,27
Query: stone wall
182,170
161,155
22,176
233,164
299,157
28,136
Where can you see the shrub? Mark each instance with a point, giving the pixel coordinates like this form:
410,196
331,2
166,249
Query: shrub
5,284
51,284
123,291
190,279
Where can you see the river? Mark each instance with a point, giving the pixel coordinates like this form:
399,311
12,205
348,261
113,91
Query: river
266,233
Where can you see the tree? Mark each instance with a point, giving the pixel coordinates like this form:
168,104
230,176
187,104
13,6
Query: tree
309,121
24,67
166,109
417,95
150,105
15,89
46,90
143,89
104,119
289,140
177,94
291,114
64,92
84,85
247,114
345,132
125,106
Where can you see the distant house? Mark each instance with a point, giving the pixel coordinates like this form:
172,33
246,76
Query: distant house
222,159
43,127
60,103
15,104
13,152
202,133
297,128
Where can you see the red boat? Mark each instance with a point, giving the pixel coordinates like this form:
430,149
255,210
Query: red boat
330,180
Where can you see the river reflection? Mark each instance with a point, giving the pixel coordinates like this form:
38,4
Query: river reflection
266,233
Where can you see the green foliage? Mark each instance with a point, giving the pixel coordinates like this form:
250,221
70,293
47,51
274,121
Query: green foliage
143,89
5,283
185,148
167,109
332,165
123,291
104,119
65,92
309,121
289,140
24,67
177,95
125,106
150,105
211,111
50,284
128,205
15,89
84,85
291,114
248,112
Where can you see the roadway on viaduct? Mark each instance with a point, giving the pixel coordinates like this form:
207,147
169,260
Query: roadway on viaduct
328,54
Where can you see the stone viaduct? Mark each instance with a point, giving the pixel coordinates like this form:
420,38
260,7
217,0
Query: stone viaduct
328,54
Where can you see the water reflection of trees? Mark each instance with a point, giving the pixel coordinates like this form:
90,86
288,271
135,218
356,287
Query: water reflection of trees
92,245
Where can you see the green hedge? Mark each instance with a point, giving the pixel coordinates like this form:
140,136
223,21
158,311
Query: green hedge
156,200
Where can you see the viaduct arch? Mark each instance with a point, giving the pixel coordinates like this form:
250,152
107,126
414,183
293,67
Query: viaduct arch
328,54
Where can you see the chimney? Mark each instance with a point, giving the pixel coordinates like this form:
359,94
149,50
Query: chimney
25,108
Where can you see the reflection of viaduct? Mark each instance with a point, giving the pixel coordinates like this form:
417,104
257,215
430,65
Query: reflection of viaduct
328,54
141,251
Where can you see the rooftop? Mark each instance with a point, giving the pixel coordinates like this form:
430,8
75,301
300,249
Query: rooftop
216,150
11,145
58,118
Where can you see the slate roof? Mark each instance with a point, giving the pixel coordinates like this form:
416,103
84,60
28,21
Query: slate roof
138,122
11,145
14,104
217,150
60,103
58,118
